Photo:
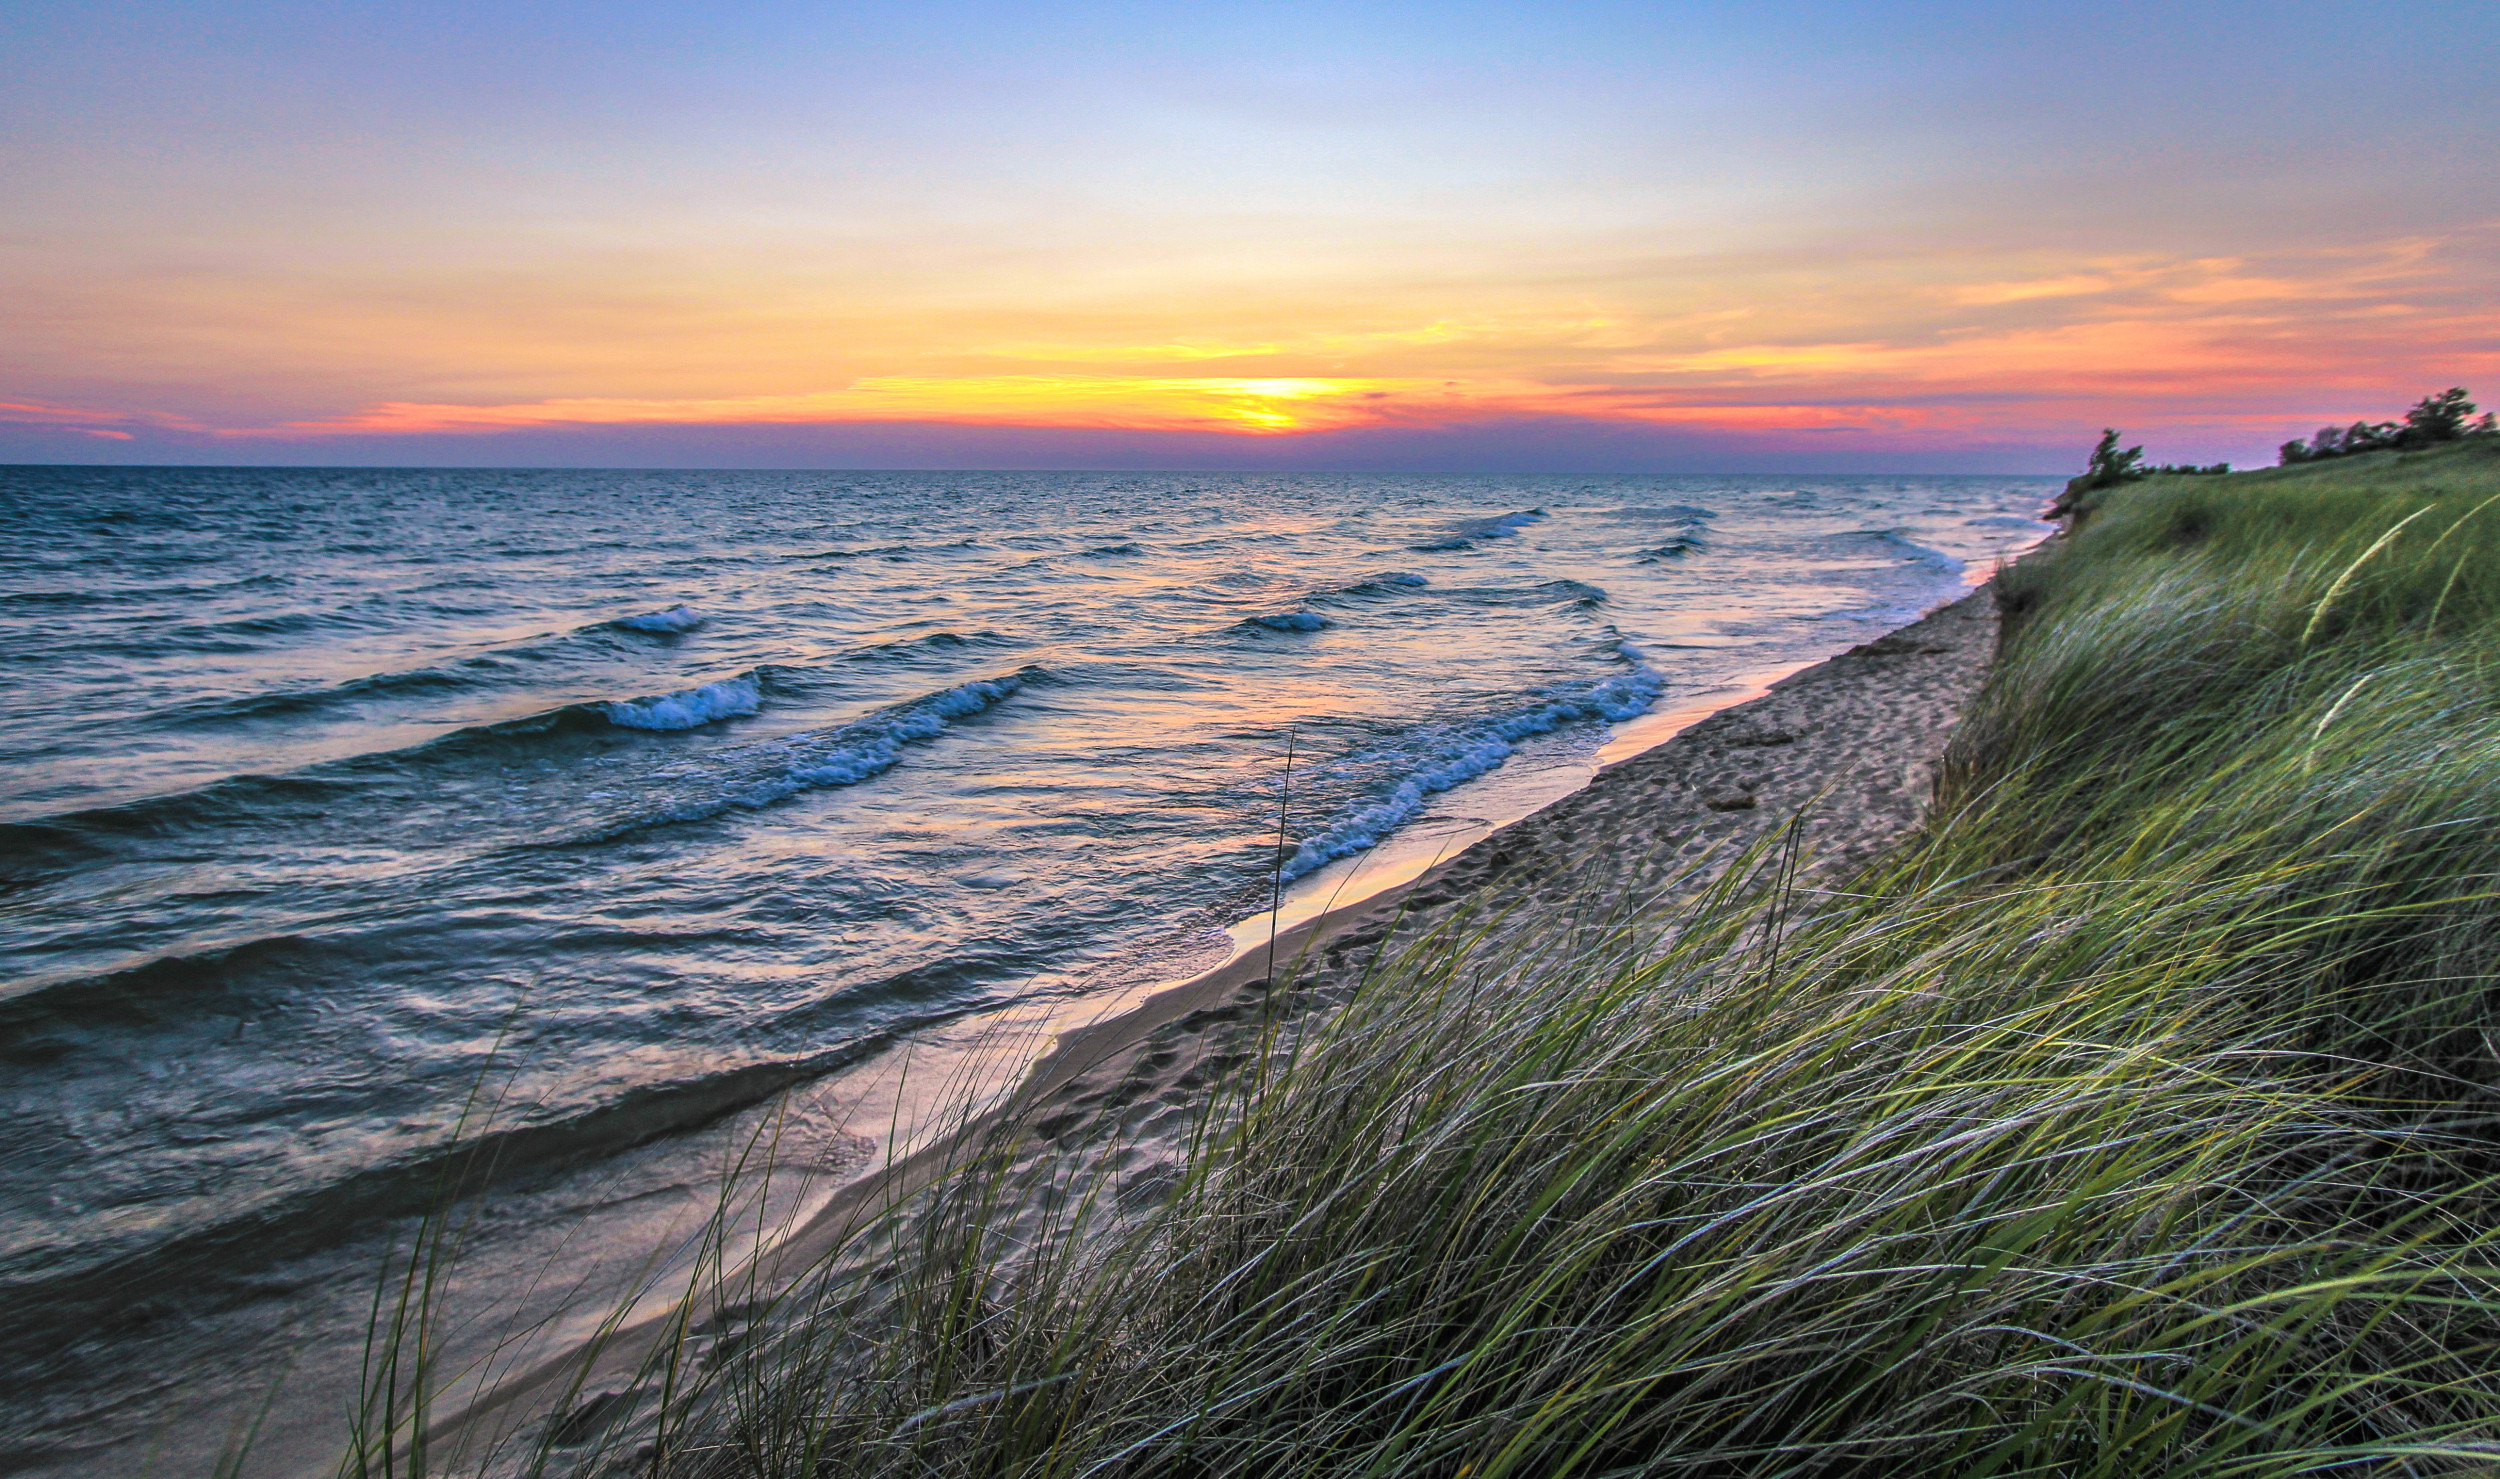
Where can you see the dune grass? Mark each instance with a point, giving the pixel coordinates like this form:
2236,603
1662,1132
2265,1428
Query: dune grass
2139,1119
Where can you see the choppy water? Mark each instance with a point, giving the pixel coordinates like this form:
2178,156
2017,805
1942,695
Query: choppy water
321,790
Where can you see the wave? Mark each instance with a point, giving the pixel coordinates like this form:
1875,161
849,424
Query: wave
37,849
283,624
1543,593
735,777
243,634
476,671
927,642
1303,619
66,598
1372,588
141,991
755,776
251,706
1290,621
730,698
1468,534
1461,754
1915,553
135,595
1126,547
1674,549
670,711
675,619
1680,513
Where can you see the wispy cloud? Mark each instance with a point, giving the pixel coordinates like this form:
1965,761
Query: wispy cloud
1930,347
87,421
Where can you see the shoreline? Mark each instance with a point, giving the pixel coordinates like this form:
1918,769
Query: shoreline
1851,739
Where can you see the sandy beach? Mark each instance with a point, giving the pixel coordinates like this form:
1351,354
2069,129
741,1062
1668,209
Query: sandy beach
1849,745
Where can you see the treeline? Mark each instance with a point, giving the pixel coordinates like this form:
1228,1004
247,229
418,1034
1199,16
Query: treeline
2445,417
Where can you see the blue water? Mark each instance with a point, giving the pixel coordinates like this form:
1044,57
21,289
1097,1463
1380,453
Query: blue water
321,789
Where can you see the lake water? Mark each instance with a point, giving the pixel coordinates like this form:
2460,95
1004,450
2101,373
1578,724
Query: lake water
327,796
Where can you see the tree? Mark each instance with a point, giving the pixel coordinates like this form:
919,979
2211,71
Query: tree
2445,417
2109,465
2438,418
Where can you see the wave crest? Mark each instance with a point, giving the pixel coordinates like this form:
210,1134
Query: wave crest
755,776
730,698
1467,535
675,619
1913,552
1290,621
1468,752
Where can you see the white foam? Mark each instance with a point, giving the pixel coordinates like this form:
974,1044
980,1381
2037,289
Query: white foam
674,619
1470,753
728,699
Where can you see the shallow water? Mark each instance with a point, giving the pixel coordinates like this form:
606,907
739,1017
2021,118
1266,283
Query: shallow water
326,796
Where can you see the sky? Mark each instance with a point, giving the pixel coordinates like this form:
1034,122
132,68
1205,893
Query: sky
1921,235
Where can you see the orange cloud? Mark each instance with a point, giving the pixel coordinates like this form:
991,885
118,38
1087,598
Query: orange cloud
2070,286
81,421
31,413
1928,347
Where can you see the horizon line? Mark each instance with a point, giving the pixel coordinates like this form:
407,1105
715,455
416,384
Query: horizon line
1073,471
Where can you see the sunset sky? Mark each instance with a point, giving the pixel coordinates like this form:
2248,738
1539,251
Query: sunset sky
1553,237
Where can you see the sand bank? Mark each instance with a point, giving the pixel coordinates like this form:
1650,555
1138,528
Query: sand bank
1851,744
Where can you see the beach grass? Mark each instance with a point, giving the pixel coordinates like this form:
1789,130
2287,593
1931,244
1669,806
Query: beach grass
2139,1117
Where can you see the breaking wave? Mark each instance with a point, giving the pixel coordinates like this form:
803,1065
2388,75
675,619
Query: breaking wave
730,698
1911,551
1460,754
1290,621
674,619
750,777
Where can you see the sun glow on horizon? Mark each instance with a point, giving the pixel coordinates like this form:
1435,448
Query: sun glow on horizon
1686,232
1131,403
2073,341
